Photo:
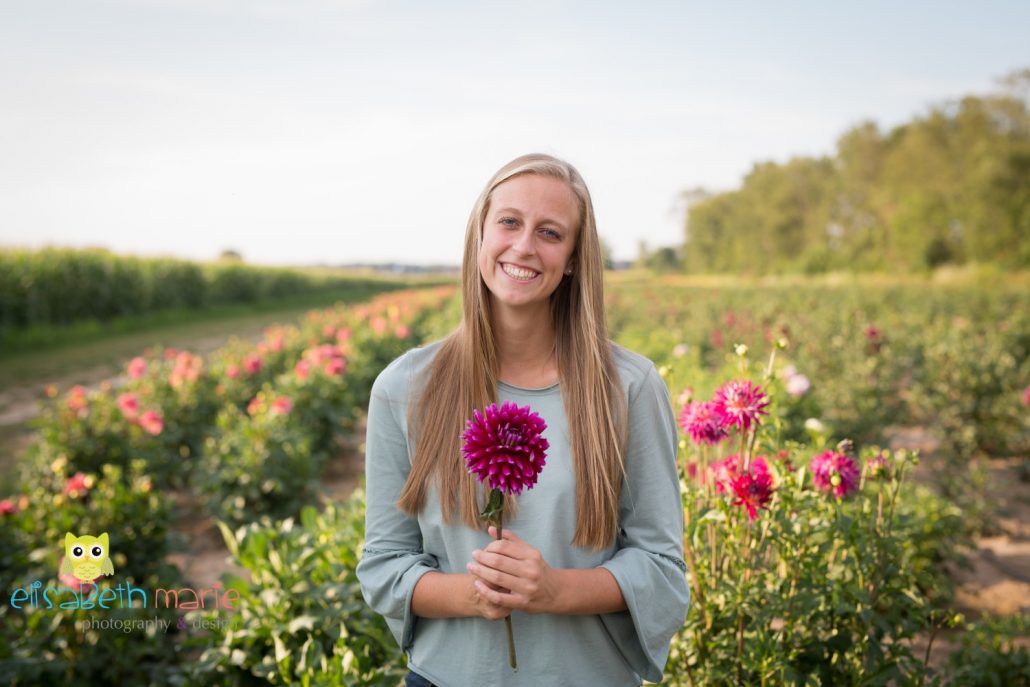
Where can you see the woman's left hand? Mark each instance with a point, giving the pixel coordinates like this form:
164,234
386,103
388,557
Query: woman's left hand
511,564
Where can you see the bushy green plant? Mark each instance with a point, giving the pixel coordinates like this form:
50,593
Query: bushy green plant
879,353
989,655
258,463
804,570
302,619
48,646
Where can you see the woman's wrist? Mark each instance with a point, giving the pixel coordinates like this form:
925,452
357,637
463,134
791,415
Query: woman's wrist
585,591
444,595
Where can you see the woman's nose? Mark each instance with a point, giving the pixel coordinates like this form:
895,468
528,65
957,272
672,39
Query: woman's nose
524,242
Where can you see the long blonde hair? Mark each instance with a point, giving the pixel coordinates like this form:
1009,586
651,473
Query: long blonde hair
464,376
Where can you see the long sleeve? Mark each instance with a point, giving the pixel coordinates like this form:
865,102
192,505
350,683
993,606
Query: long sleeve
393,559
648,562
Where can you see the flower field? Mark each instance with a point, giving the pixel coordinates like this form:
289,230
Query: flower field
814,557
817,551
248,430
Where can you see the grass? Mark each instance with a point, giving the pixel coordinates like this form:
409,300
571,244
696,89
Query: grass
50,336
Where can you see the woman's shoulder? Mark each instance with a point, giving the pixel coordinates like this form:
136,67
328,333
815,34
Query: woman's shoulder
397,377
634,369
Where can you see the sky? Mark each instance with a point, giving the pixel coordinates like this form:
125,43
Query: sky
341,131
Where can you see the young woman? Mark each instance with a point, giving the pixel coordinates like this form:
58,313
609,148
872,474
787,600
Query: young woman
590,567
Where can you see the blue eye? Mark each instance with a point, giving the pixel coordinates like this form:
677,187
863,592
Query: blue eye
509,221
552,233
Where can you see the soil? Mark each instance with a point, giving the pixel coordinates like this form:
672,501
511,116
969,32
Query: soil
207,557
995,576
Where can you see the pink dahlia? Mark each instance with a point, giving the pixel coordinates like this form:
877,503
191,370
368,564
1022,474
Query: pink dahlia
798,385
878,467
724,471
76,485
505,447
137,367
281,406
151,422
186,369
874,340
232,372
834,472
8,507
739,403
252,364
1026,396
129,405
752,489
77,401
703,422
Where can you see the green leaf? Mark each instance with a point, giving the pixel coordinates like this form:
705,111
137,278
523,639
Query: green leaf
494,510
306,622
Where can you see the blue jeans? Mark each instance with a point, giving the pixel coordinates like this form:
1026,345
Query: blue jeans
416,680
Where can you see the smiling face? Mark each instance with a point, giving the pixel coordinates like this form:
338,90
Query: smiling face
529,234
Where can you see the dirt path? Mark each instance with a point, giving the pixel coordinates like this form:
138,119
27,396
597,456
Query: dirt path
207,558
995,577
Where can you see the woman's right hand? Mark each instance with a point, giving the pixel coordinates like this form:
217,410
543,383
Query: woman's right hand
479,603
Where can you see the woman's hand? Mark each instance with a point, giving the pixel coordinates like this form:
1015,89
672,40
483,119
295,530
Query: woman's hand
511,574
483,606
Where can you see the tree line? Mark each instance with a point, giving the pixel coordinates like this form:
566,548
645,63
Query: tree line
949,187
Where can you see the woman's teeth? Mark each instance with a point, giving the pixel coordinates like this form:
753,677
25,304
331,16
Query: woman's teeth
518,272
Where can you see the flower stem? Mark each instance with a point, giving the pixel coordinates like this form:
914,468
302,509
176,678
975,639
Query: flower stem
695,579
512,660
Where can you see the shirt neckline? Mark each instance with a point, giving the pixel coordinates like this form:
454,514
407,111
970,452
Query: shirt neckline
523,390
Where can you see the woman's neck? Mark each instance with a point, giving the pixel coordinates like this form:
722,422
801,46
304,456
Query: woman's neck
526,348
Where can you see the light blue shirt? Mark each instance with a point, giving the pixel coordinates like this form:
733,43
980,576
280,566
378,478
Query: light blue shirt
646,559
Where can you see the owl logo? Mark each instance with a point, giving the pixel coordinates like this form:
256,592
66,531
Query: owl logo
86,558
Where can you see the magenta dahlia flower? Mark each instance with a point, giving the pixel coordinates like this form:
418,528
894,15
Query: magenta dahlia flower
725,470
702,422
740,403
834,472
504,447
752,489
